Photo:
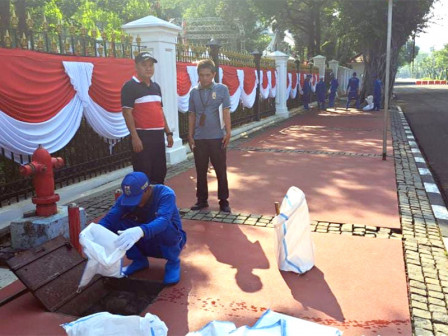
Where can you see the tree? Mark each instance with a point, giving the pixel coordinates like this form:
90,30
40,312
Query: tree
366,23
407,53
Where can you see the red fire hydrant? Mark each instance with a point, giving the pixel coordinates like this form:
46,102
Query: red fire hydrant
41,167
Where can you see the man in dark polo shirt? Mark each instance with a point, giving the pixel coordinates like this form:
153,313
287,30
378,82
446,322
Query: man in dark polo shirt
206,136
141,101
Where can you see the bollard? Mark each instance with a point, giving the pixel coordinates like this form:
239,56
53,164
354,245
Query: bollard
118,193
74,224
277,208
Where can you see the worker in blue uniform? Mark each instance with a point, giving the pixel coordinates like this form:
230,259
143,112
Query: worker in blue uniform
321,93
148,223
377,95
306,96
334,84
353,90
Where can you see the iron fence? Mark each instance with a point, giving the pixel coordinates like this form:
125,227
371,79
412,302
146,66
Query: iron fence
87,154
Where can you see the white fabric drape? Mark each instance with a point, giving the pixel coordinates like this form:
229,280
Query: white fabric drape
248,99
293,93
21,137
182,101
109,125
272,89
264,91
289,85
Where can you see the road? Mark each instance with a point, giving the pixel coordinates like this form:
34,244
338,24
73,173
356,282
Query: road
426,109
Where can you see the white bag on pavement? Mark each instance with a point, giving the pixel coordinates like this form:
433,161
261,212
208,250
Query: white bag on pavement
295,250
269,324
295,326
107,324
369,106
104,257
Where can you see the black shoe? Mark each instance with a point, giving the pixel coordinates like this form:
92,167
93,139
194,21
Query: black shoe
199,206
225,208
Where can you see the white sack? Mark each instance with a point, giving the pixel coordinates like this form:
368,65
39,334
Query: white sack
104,257
295,250
269,324
369,106
107,324
295,326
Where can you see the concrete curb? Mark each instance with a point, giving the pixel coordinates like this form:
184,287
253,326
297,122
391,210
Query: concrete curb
435,198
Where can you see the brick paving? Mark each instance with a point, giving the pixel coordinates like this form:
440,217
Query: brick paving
425,255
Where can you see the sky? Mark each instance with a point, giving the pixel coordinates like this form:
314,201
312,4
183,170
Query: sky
436,34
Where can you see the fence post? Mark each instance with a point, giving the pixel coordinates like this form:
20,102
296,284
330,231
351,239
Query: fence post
319,61
214,53
257,59
334,65
281,60
160,38
74,224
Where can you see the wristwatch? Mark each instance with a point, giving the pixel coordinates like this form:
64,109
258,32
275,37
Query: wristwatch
169,133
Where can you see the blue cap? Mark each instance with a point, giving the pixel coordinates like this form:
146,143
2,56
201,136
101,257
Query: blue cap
133,186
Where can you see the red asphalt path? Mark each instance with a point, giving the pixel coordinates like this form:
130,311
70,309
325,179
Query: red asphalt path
229,271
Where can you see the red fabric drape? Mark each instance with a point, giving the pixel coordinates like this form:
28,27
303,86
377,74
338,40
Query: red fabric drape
230,78
249,79
265,79
294,80
33,86
108,77
183,79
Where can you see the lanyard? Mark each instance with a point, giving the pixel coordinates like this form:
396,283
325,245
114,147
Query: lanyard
207,92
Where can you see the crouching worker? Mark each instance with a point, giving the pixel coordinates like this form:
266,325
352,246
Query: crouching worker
148,223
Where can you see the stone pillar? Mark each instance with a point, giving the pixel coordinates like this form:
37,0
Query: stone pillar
160,38
281,60
319,61
334,65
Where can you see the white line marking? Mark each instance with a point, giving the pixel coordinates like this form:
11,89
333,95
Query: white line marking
419,159
415,150
412,144
440,211
431,187
424,171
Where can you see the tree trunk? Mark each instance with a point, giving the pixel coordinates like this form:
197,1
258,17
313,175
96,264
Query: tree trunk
317,30
375,66
21,14
4,16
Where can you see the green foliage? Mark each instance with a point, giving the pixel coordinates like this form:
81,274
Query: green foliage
407,53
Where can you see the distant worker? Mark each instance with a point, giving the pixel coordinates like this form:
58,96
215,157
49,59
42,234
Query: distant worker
353,90
334,84
321,93
306,92
377,95
148,223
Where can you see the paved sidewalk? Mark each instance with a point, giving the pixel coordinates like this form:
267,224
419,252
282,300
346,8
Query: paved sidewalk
381,265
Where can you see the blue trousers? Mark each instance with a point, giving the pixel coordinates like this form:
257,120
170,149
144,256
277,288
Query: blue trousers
165,245
353,96
331,98
306,101
376,104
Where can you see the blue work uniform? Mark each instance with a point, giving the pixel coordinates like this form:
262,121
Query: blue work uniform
334,84
321,94
353,87
160,221
306,93
377,95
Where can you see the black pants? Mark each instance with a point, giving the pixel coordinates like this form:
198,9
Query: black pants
206,151
151,160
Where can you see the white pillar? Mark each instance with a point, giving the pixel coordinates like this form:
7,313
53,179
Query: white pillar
160,38
333,65
281,60
319,61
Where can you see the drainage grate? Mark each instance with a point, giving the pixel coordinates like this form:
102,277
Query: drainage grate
52,272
